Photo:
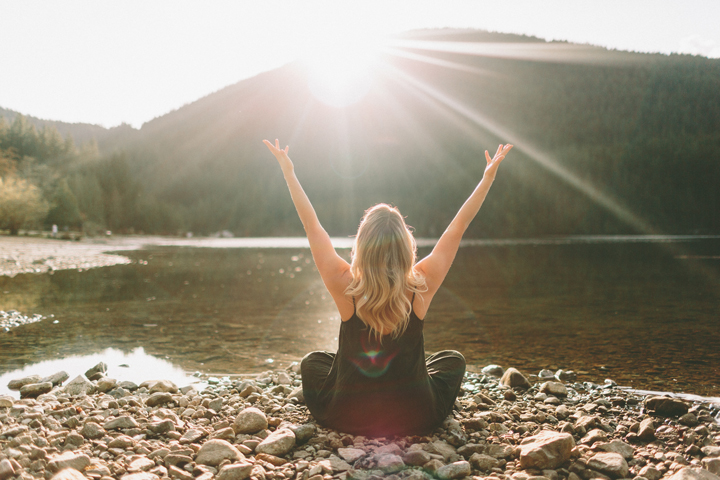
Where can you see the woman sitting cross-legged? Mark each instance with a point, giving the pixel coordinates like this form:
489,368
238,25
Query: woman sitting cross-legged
379,383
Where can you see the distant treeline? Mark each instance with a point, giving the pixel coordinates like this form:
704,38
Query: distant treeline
612,143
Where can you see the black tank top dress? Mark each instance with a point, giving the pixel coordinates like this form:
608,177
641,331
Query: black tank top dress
381,388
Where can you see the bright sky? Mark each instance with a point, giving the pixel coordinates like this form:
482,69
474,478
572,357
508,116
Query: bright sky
109,62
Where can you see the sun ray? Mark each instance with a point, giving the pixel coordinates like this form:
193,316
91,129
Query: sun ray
534,153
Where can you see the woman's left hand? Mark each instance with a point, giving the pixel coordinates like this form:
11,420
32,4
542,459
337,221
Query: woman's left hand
281,155
494,163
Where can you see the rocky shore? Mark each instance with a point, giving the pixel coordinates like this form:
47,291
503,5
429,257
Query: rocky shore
503,428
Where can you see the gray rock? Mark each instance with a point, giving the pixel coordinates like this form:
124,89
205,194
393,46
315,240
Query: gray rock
454,470
215,451
441,448
128,385
499,451
122,441
162,427
546,450
612,464
105,384
78,386
284,379
483,462
278,443
337,464
18,383
352,454
554,388
297,394
617,446
158,398
68,474
96,372
56,378
546,374
192,435
712,465
711,451
6,401
650,472
124,421
389,463
566,375
689,473
33,390
303,433
416,458
493,371
646,431
92,431
513,378
235,471
666,406
250,420
689,419
118,392
160,386
75,460
6,469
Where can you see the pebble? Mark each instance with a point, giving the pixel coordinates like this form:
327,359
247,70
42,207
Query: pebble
513,378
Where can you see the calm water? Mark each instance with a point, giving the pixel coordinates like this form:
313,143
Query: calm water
642,313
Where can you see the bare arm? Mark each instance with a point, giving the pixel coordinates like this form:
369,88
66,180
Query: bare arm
333,268
436,265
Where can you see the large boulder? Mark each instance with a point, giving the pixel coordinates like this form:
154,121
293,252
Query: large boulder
546,450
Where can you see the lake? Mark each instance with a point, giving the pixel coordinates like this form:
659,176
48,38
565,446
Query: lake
642,311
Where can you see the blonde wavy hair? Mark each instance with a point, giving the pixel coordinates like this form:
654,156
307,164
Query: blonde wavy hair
383,257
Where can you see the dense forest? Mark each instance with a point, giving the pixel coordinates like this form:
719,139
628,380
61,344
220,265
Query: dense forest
606,142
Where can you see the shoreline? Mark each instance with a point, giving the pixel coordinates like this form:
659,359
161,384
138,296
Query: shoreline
258,427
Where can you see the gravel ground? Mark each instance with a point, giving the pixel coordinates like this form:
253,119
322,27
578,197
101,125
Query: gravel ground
257,427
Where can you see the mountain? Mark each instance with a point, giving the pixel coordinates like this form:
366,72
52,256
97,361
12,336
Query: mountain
605,142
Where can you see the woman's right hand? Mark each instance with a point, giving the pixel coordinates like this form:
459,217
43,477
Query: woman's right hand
281,155
494,163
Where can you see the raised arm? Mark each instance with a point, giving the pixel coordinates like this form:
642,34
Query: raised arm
333,268
436,265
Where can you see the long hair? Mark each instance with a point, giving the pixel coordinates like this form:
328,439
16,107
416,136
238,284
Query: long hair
383,257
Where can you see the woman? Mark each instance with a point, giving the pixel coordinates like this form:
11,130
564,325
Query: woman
380,383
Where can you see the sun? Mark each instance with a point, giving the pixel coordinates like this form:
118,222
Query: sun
342,70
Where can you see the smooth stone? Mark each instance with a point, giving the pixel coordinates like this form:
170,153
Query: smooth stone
646,431
78,386
160,386
493,371
124,421
158,398
337,464
105,384
6,469
712,465
122,441
96,372
215,451
18,383
499,451
33,390
617,446
649,472
441,448
128,385
352,454
276,461
56,378
284,379
454,470
594,435
546,374
546,450
6,401
513,378
612,464
68,474
483,462
666,406
303,433
389,463
277,443
176,460
689,473
75,460
556,389
250,420
235,471
162,427
192,435
416,458
140,476
711,451
141,464
92,431
297,394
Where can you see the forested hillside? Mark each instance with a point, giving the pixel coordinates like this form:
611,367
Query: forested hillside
606,142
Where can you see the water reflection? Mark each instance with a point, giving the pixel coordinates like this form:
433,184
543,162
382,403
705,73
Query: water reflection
122,366
642,314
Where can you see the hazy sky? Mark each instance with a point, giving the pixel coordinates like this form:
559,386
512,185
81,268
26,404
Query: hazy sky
108,62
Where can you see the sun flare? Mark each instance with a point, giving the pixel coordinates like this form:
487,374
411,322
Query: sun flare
341,71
